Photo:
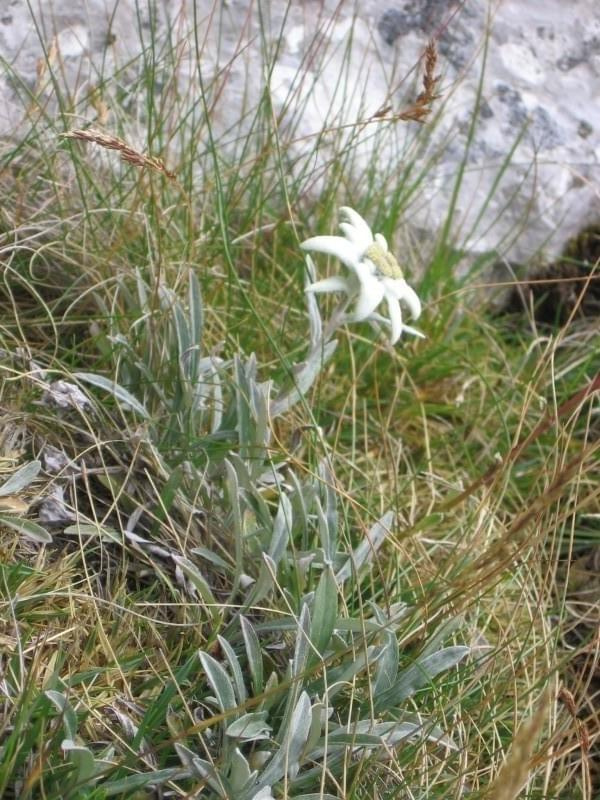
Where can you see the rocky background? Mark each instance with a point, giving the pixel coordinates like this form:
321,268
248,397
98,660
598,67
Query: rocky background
519,110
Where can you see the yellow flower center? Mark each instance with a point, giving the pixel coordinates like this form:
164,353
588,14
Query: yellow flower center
384,261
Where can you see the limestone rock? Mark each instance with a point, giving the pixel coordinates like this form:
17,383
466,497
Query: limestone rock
530,159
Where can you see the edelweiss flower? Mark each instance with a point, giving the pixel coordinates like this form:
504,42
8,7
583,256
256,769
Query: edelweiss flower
375,275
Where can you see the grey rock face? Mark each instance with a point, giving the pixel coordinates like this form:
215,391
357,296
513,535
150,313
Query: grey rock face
532,159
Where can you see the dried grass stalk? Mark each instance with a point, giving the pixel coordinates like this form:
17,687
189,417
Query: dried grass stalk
127,153
514,772
421,108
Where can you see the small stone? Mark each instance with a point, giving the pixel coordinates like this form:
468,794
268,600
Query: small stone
584,129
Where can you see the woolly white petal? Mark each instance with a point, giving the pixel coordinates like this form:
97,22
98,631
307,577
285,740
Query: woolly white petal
395,318
399,288
411,299
334,246
365,270
413,331
362,232
354,236
334,284
382,242
371,294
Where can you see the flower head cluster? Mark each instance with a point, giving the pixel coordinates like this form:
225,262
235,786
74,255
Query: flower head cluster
375,275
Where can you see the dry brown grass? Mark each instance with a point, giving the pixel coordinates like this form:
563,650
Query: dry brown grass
421,108
127,153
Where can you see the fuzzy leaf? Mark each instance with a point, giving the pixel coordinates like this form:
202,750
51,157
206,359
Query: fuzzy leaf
204,770
282,526
69,718
302,647
219,682
26,527
304,377
20,479
253,654
197,579
118,392
367,548
387,666
236,670
287,758
82,759
420,674
250,727
318,796
126,786
240,773
324,611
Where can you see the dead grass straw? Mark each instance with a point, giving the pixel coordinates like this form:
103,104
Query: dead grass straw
514,772
128,154
421,108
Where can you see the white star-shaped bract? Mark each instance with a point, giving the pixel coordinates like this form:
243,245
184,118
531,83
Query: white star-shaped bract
375,275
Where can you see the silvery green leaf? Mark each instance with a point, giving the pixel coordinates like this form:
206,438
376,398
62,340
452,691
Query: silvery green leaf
212,557
316,725
219,682
196,307
62,705
217,402
248,487
326,543
419,674
233,497
302,647
27,528
262,430
439,636
204,770
429,730
318,796
263,794
82,759
240,773
245,427
250,727
287,758
264,582
314,317
117,391
253,654
20,479
184,343
303,378
297,668
339,677
330,504
270,695
369,735
282,527
297,734
324,612
367,548
391,618
386,670
365,735
127,786
236,670
199,582
298,500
